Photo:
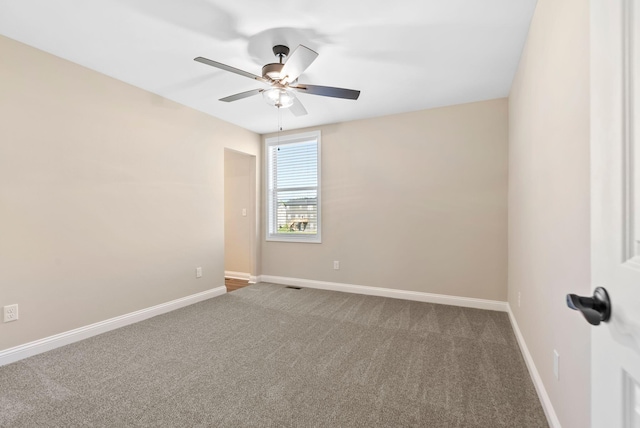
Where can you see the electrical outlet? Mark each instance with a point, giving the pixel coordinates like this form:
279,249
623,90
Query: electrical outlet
198,272
556,362
244,212
518,299
10,313
336,265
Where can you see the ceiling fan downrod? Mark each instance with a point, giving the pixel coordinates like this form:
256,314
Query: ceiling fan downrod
281,52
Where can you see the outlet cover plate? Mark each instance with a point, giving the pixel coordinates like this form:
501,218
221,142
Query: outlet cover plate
10,313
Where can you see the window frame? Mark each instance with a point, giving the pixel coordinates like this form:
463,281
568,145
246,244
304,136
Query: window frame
271,217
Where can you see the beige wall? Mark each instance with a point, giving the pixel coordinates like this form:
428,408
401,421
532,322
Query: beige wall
239,194
414,201
109,199
549,200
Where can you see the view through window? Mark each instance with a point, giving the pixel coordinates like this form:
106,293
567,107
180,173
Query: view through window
293,170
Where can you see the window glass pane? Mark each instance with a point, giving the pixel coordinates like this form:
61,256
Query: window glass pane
297,211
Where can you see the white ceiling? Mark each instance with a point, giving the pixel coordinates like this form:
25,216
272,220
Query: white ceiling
404,55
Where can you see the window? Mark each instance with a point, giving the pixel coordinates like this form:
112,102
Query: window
293,187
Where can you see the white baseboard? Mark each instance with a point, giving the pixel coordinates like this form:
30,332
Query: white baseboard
242,275
237,275
549,411
48,343
418,296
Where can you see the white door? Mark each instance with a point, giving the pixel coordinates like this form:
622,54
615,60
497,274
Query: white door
615,224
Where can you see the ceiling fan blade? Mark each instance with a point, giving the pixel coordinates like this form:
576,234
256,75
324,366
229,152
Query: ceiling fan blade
241,95
297,63
327,91
297,108
231,69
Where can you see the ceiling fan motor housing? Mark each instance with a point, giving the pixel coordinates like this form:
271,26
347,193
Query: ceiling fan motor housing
272,71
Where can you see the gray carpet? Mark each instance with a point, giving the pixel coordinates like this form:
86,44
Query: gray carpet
269,356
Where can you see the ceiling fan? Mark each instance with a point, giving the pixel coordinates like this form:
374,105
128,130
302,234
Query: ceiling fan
283,79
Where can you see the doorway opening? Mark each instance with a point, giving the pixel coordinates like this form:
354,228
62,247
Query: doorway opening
239,219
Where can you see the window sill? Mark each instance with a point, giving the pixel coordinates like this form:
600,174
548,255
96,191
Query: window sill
295,239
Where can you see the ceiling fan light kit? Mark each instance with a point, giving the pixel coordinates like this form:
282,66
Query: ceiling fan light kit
279,97
283,79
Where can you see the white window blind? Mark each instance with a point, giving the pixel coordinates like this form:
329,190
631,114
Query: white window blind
293,187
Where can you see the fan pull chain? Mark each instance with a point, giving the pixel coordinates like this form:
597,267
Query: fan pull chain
279,124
